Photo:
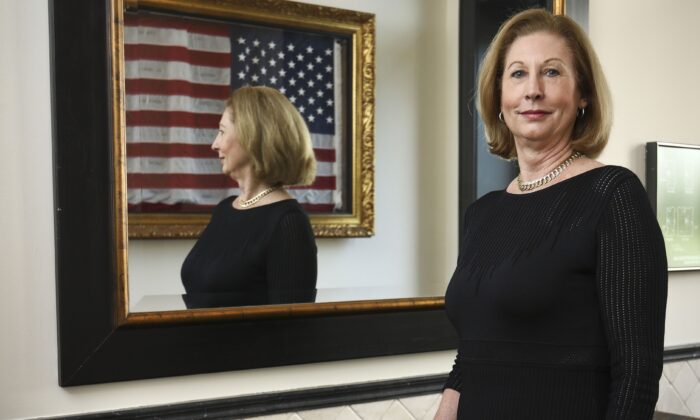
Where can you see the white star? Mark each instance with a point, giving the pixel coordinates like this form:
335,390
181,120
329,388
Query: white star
241,57
318,59
256,43
254,77
272,45
302,91
329,102
272,62
328,69
312,100
302,109
263,52
293,99
292,82
283,73
263,70
247,68
329,120
283,90
301,74
241,40
291,64
328,51
312,118
247,50
319,93
329,85
241,75
310,66
319,76
273,80
280,55
311,83
300,57
255,60
309,49
290,47
319,111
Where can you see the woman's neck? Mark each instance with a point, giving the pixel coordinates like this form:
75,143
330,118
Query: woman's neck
534,164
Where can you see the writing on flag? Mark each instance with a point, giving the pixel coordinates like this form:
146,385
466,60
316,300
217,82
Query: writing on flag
179,73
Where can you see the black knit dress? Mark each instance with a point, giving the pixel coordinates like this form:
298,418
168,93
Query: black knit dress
559,301
262,255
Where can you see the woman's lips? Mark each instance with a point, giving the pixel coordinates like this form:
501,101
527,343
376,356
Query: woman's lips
534,114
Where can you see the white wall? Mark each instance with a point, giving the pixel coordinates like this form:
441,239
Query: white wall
649,52
647,49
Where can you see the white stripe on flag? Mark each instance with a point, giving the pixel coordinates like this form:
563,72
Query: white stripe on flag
153,134
185,165
145,102
211,197
176,37
177,70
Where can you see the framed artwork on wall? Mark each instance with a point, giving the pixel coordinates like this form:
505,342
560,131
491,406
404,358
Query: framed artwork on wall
673,182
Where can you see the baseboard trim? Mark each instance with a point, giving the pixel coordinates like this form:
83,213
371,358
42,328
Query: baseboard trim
313,398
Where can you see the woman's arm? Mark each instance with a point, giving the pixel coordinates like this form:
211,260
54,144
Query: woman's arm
448,405
632,286
291,261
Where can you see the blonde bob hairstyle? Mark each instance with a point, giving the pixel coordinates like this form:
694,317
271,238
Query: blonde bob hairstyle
591,131
274,134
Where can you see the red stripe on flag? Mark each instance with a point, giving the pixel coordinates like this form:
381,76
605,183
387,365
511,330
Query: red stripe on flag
205,181
168,150
325,155
176,87
171,119
172,53
166,22
318,208
173,150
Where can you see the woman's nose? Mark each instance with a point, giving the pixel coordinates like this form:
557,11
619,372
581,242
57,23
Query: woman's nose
534,88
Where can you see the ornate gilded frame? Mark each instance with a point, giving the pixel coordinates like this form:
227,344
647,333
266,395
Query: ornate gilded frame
360,29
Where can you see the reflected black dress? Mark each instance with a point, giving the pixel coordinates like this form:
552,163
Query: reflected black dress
559,301
262,255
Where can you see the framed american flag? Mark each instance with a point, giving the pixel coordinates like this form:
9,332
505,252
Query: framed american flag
175,64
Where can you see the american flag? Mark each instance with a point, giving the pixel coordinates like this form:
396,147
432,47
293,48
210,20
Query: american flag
179,72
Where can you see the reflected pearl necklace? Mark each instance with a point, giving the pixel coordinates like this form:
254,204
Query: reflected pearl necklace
249,202
531,185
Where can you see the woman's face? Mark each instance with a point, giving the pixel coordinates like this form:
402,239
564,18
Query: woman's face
539,96
233,157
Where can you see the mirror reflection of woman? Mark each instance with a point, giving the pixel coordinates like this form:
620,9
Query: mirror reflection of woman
559,294
259,247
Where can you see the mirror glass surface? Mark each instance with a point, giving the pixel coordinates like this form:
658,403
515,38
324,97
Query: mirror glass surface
414,248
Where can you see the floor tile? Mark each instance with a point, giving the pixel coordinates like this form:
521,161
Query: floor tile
373,410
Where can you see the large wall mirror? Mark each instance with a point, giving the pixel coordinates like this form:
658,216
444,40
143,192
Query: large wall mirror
104,335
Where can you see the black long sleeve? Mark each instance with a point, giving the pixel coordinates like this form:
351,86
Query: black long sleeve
559,301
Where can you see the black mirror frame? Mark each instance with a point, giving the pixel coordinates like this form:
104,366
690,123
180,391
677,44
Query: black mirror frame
94,345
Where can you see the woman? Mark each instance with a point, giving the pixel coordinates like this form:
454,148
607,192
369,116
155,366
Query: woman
259,247
559,293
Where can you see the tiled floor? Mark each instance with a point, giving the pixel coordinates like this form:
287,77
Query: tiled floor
679,393
411,408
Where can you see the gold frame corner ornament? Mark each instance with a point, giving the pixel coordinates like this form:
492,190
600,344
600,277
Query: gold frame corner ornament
559,7
360,29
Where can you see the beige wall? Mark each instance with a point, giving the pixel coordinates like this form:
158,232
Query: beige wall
649,52
646,48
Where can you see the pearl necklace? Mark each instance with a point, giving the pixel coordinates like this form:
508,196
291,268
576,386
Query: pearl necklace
249,202
531,185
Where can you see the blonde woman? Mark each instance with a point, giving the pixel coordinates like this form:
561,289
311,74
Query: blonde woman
559,294
259,247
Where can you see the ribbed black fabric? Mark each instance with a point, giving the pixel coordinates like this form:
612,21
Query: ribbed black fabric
262,255
559,299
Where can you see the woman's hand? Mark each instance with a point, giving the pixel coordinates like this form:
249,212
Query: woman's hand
448,405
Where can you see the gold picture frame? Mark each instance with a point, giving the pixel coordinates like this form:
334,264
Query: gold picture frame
357,28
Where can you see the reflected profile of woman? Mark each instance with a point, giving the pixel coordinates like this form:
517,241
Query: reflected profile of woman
259,247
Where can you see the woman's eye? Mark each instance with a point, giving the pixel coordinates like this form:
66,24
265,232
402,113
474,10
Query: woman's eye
551,72
517,74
